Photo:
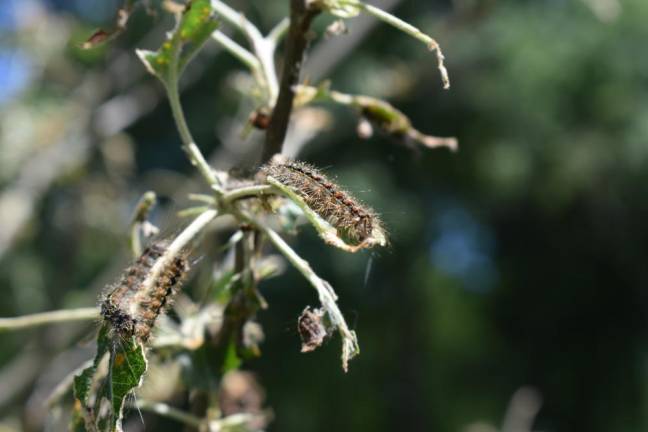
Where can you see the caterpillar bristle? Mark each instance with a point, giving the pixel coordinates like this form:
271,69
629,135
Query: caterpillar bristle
132,306
354,221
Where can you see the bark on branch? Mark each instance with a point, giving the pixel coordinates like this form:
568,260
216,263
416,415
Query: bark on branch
301,16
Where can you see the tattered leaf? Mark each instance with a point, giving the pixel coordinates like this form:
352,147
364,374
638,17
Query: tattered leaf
127,368
394,122
383,114
193,28
82,385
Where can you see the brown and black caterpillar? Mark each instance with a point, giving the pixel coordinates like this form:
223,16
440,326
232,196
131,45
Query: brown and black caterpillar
357,224
133,304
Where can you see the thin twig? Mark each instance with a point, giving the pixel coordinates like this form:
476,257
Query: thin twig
245,56
264,48
188,144
279,31
248,191
44,318
301,16
171,412
176,247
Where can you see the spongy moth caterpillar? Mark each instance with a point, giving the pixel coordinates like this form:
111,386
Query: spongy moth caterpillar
354,222
144,290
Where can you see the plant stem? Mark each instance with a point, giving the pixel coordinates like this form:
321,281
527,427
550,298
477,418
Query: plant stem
237,19
249,191
188,144
188,234
301,16
265,51
44,318
176,247
171,412
245,56
279,31
264,48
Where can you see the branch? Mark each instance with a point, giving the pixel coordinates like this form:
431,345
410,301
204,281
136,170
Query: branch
44,318
301,16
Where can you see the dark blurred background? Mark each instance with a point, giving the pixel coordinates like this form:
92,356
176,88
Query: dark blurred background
517,271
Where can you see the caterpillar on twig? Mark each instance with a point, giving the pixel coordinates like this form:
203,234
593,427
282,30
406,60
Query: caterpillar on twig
356,224
132,305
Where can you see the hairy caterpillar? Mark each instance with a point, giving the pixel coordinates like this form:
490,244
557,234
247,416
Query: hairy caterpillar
355,223
133,304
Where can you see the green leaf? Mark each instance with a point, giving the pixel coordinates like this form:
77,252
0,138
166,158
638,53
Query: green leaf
82,384
127,365
194,26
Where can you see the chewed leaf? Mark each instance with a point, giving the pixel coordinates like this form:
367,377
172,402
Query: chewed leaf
194,26
82,385
127,365
374,112
394,122
383,114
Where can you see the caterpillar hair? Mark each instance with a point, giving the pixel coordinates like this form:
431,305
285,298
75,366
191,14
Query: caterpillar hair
354,222
134,303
